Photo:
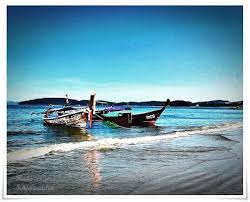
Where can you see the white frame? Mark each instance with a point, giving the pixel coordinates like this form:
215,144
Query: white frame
3,102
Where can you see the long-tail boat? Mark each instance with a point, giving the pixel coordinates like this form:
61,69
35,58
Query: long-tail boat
70,116
125,118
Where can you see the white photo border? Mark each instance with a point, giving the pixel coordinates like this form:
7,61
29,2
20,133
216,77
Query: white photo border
3,102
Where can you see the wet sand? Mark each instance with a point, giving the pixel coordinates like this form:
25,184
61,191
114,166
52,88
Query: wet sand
216,173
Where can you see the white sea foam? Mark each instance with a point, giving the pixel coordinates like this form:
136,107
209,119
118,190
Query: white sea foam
25,154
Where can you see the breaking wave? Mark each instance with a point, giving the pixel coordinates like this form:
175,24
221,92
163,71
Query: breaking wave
25,154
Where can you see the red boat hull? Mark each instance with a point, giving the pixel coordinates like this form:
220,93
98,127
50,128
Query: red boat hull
128,119
146,119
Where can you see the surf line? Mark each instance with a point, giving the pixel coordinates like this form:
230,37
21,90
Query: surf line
28,153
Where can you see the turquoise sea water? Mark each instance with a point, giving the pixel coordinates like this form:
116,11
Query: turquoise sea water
110,160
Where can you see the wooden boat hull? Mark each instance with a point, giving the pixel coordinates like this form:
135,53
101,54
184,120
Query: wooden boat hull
124,120
128,119
146,119
78,119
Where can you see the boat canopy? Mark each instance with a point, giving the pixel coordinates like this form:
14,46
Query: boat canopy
63,109
114,109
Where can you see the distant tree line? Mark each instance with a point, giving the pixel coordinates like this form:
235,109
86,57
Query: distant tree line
176,103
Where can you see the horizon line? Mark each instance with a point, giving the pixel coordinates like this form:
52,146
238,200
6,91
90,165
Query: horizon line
127,101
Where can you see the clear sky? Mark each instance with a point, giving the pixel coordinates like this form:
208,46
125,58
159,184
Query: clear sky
125,53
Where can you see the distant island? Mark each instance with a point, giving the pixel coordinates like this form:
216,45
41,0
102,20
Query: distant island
176,103
12,103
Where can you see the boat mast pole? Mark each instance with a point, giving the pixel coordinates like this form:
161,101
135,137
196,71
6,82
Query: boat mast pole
67,100
92,106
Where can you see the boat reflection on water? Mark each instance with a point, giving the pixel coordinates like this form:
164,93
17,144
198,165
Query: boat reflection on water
92,160
77,134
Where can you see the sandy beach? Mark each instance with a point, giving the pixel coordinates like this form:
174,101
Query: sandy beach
181,156
216,173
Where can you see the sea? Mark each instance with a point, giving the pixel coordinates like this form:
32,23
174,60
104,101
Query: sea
189,151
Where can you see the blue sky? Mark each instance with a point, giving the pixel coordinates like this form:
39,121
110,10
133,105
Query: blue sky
125,53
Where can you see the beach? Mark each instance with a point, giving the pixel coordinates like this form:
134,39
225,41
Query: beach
215,173
190,151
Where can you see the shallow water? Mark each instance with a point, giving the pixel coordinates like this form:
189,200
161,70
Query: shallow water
178,156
